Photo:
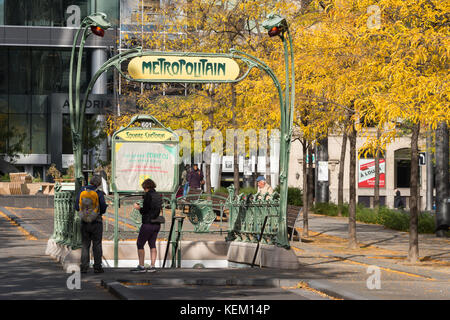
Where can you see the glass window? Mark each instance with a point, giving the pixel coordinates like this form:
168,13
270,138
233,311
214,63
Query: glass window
39,133
3,132
3,103
19,103
2,12
67,136
44,12
110,8
40,13
60,79
3,69
19,71
16,12
39,103
42,62
20,125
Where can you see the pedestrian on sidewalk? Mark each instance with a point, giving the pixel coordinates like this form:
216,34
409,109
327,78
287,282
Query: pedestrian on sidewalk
398,200
151,224
195,177
184,179
92,232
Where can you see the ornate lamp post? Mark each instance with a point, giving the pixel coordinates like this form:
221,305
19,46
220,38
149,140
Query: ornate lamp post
96,23
277,26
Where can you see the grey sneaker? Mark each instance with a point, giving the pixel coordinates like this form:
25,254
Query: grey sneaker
139,269
151,269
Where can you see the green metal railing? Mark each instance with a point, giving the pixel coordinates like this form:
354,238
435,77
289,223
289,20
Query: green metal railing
247,215
67,227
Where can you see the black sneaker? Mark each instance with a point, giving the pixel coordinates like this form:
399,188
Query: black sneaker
83,270
99,270
139,269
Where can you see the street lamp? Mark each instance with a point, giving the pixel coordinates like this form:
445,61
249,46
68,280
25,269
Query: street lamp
276,25
96,24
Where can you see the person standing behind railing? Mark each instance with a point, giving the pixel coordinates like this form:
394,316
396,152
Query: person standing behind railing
195,177
184,179
148,232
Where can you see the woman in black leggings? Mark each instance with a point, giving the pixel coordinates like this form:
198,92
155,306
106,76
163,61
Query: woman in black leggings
151,209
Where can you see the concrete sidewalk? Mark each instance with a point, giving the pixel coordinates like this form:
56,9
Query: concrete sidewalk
371,235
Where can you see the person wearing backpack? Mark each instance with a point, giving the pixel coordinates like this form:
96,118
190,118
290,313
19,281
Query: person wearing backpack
151,224
91,205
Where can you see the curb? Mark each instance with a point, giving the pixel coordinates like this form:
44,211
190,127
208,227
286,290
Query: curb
330,290
119,290
411,271
27,227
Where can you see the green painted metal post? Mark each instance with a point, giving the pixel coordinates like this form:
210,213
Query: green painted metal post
96,22
277,25
116,229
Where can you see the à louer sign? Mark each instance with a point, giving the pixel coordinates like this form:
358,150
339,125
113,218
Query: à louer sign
183,68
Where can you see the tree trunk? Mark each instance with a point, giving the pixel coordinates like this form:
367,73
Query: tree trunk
310,179
430,171
413,253
376,198
341,174
305,189
352,243
208,177
323,187
442,177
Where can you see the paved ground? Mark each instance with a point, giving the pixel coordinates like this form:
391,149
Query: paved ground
430,247
328,269
27,273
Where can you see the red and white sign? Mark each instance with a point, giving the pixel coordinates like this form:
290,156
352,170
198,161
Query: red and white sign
366,173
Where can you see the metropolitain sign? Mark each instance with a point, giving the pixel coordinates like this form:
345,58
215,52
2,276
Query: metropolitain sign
179,68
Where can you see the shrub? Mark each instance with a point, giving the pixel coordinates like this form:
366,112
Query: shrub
241,190
295,197
221,190
393,219
329,209
248,190
389,218
427,223
366,215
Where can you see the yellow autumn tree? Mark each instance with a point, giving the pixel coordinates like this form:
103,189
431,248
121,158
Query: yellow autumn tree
379,61
216,27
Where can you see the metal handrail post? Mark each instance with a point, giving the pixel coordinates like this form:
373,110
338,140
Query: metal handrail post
260,237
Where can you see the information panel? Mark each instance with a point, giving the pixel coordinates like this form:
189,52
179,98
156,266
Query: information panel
137,161
145,152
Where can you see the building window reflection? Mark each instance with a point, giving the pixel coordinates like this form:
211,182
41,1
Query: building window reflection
54,13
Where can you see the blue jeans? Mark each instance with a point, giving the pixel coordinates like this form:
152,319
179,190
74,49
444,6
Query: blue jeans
186,189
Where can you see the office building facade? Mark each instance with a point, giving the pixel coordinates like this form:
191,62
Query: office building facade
36,39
